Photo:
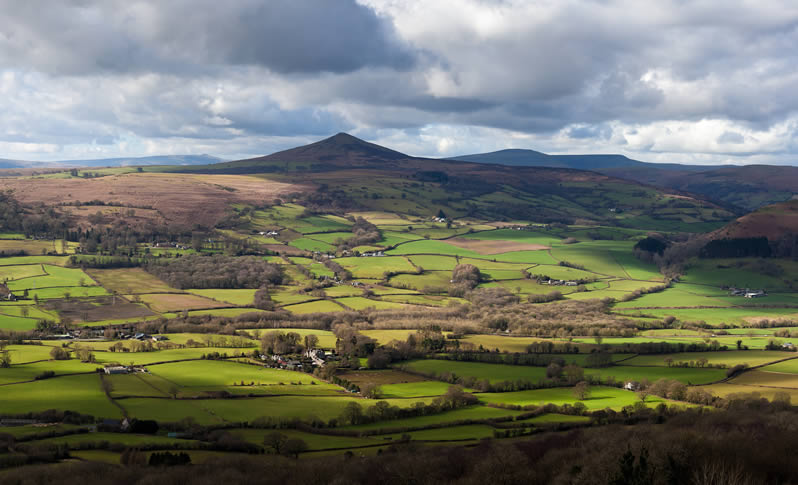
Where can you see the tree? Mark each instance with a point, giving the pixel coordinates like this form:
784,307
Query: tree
582,390
58,353
554,371
263,300
370,390
311,341
352,413
5,359
24,311
84,354
174,391
294,446
573,373
275,440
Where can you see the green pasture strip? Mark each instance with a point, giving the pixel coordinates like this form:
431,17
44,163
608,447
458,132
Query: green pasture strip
523,236
169,410
717,316
17,324
314,441
414,389
729,358
243,297
127,439
462,414
28,372
375,267
601,397
790,366
74,393
360,303
210,373
321,306
17,260
452,433
768,379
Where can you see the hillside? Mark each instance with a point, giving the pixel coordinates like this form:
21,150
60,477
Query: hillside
748,187
353,173
532,158
772,222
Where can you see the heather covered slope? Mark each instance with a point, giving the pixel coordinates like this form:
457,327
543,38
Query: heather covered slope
352,173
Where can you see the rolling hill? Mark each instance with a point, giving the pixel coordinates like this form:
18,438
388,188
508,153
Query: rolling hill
532,158
748,187
349,172
772,221
745,187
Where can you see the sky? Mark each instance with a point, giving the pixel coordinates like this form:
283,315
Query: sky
704,82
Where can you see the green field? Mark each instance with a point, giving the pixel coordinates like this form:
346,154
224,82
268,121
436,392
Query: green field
600,397
242,297
211,374
375,267
77,393
360,303
468,413
320,306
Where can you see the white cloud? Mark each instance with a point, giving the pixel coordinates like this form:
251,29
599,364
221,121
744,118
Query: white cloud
703,81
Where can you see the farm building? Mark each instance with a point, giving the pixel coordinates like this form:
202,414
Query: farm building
5,293
755,294
116,369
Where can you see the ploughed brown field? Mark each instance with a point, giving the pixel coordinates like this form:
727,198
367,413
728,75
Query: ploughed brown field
180,198
97,309
494,247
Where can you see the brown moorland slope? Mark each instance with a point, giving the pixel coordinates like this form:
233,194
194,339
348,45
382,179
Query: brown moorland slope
772,222
183,199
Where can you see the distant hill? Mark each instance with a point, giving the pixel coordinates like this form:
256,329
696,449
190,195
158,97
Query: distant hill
115,162
748,187
352,173
532,158
745,187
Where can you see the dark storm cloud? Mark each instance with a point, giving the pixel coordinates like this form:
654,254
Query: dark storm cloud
704,76
289,36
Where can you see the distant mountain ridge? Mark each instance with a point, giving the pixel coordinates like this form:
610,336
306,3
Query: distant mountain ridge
746,187
116,162
521,157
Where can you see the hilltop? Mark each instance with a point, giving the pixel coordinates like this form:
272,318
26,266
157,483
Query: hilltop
352,173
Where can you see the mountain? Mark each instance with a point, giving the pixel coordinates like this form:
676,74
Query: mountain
532,158
115,162
352,174
338,151
745,187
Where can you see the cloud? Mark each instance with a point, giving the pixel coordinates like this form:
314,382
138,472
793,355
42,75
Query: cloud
308,36
670,81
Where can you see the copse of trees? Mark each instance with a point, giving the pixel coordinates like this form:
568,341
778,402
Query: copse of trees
217,271
465,277
757,247
363,234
